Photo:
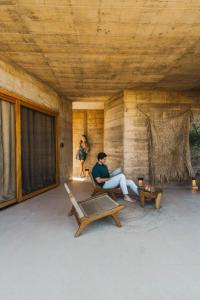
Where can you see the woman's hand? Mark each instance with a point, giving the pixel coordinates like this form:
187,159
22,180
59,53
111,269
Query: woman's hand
86,148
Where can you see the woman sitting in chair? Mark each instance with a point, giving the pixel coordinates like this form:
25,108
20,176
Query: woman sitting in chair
102,178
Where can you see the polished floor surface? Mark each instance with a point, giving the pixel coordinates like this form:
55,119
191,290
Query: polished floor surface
155,255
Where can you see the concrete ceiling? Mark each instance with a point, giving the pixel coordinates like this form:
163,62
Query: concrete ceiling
99,47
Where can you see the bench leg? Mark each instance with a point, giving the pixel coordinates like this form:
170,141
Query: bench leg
96,192
71,212
158,200
80,229
142,200
113,196
116,220
93,193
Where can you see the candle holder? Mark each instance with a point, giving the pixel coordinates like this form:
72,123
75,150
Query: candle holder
147,188
86,172
140,181
194,184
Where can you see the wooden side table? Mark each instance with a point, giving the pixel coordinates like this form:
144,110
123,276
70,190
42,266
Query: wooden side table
148,195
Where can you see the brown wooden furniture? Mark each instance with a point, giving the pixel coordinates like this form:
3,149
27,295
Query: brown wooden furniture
93,209
155,195
113,193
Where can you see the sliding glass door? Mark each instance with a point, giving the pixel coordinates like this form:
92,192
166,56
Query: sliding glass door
38,150
28,149
7,151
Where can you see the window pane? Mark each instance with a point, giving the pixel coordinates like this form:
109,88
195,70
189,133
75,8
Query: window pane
38,150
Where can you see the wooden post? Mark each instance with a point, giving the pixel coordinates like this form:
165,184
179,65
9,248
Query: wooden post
158,200
116,220
142,200
18,152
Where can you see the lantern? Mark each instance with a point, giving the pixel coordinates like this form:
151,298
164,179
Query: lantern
140,181
86,172
194,183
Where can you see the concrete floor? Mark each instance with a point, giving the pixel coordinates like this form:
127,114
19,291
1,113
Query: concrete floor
155,255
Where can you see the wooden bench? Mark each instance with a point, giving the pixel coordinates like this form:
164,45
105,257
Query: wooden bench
97,190
93,209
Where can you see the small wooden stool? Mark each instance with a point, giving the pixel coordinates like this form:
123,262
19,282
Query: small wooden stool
148,195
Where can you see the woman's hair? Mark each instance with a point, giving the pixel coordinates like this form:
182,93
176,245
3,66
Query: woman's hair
85,139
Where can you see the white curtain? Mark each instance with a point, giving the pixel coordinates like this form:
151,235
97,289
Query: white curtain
7,150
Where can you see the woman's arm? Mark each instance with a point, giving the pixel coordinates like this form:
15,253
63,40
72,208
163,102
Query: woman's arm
86,147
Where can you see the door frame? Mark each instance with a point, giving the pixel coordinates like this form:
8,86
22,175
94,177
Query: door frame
19,101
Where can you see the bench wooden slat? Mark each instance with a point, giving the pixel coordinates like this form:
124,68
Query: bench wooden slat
74,202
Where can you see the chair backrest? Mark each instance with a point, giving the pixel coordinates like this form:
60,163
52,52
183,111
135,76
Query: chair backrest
92,179
74,202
